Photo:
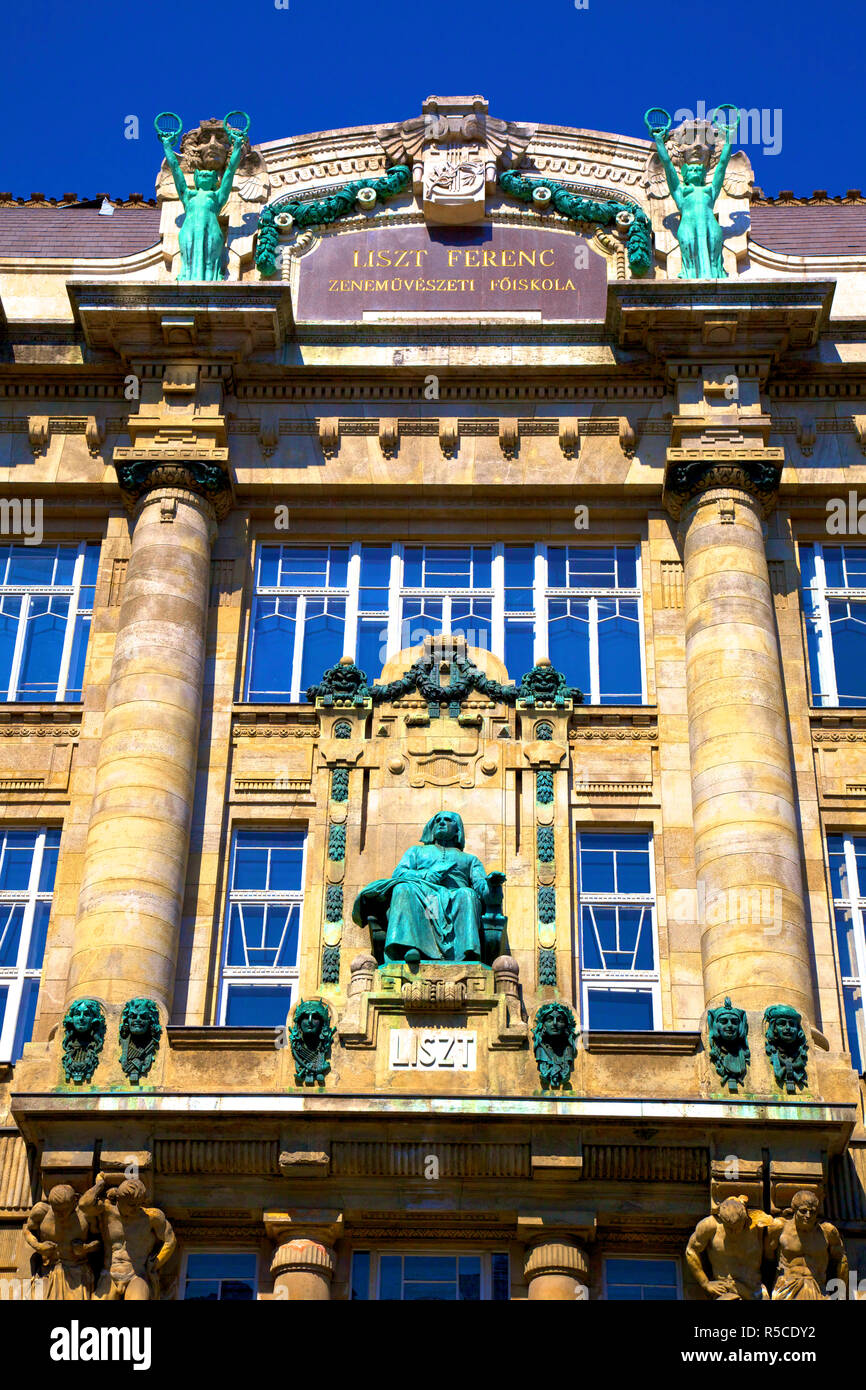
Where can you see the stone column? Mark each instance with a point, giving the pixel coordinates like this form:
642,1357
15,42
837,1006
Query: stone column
557,1269
129,909
304,1261
751,908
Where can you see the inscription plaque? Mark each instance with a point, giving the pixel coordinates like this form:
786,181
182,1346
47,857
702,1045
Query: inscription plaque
433,1049
457,269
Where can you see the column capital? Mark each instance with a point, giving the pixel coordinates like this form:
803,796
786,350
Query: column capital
560,1256
691,472
147,470
319,1225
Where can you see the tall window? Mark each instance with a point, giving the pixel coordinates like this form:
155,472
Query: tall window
618,947
437,1277
594,621
632,1278
46,603
28,863
847,856
834,601
314,603
263,920
224,1276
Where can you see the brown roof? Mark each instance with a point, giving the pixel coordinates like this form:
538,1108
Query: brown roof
828,229
77,232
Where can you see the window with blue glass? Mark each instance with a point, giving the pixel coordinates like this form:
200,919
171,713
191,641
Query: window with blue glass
46,603
635,1278
847,862
220,1276
834,602
314,604
618,945
28,863
262,931
594,621
436,1277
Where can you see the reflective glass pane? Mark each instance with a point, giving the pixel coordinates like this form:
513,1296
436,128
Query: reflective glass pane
38,935
620,1010
257,1006
43,648
26,1017
272,646
16,859
324,636
361,1275
854,1024
519,647
372,646
11,919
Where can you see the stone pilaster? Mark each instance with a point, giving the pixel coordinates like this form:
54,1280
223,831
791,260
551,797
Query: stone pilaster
751,907
129,910
304,1260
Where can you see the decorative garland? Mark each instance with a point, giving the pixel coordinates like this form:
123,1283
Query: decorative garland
578,208
321,211
347,683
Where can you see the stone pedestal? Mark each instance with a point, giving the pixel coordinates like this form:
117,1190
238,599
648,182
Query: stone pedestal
129,910
747,854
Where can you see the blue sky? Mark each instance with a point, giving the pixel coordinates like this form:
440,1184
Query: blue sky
73,71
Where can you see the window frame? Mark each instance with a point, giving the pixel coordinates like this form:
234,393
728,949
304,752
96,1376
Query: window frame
16,976
27,592
822,596
648,1255
376,1253
252,975
399,592
220,1250
618,981
856,904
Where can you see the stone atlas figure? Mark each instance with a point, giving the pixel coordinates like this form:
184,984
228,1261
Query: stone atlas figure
202,243
137,1240
805,1247
434,900
699,234
732,1243
60,1233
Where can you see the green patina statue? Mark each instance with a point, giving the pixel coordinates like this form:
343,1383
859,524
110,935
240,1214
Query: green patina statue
311,1039
140,1032
554,1045
83,1037
728,1030
438,901
786,1046
699,234
202,243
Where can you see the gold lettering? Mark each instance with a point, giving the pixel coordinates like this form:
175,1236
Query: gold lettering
541,256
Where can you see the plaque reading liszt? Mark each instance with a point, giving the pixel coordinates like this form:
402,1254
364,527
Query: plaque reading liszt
458,270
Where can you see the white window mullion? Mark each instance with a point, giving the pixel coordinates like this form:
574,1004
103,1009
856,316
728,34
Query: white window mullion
855,894
395,615
640,619
539,595
71,619
18,654
298,652
446,615
824,643
594,671
353,599
497,610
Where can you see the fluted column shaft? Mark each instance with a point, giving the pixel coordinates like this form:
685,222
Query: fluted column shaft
131,898
754,940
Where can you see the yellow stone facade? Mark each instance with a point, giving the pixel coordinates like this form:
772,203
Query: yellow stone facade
183,427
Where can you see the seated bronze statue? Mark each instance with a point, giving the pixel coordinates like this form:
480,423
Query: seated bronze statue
439,904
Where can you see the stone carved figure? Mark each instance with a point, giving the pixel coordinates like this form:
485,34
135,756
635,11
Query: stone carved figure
137,1241
728,1030
83,1037
699,234
202,243
732,1244
140,1032
786,1046
806,1247
554,1045
59,1232
311,1039
435,899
